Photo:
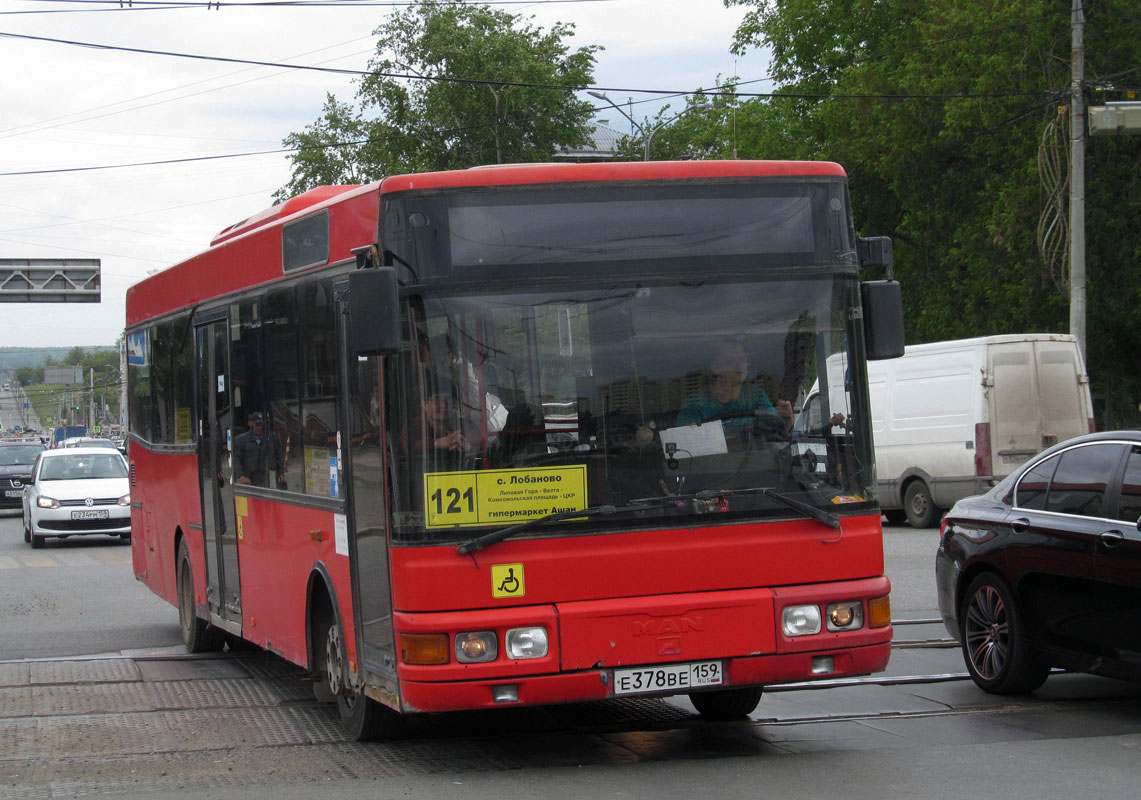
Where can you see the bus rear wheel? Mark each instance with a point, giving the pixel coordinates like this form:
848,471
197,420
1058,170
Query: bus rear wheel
198,635
727,703
362,717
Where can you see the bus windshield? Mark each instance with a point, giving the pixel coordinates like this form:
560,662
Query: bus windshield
512,406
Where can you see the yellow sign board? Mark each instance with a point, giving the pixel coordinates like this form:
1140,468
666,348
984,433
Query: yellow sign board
182,426
507,580
487,497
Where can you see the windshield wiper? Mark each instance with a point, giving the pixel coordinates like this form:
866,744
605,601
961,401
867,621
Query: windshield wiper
818,514
487,539
704,496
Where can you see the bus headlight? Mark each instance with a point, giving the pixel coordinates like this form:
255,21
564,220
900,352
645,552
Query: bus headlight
476,646
846,616
526,642
800,620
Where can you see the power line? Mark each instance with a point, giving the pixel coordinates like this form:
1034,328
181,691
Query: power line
515,84
165,5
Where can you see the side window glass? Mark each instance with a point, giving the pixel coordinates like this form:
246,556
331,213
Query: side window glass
161,386
284,386
1080,481
182,370
1129,508
139,386
319,386
1031,491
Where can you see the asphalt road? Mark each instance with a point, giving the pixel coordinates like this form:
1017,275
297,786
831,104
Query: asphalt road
79,596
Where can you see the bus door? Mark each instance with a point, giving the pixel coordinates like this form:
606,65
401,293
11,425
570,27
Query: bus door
223,592
362,396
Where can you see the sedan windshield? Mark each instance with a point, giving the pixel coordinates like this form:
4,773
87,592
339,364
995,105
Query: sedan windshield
19,455
82,467
512,407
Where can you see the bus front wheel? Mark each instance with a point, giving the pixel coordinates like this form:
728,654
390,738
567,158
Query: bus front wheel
362,717
727,703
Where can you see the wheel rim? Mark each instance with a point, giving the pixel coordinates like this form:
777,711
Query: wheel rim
333,659
986,632
919,504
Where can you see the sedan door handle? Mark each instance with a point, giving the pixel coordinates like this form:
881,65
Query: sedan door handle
1112,538
1020,525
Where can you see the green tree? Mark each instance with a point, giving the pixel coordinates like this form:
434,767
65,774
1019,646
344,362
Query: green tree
479,97
940,111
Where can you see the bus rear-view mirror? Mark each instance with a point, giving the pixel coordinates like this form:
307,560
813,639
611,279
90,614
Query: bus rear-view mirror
374,311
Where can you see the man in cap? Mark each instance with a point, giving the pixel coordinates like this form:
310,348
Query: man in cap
255,453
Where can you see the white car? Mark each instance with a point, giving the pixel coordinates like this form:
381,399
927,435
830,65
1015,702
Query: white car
75,492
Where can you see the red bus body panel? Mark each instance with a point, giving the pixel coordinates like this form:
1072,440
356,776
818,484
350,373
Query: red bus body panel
641,563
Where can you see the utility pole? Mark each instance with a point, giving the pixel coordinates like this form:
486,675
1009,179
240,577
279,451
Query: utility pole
1077,178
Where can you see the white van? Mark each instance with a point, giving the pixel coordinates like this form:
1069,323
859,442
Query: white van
952,418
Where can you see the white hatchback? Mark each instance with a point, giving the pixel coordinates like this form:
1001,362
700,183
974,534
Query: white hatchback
76,492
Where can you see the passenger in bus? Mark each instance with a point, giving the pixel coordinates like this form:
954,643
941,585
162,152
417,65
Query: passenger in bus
731,397
438,428
255,454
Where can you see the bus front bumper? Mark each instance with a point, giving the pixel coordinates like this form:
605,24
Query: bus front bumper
586,685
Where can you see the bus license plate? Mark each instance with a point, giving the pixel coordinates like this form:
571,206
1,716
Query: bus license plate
670,677
96,514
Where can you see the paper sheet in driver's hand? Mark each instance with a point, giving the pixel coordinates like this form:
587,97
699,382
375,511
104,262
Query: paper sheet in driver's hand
696,440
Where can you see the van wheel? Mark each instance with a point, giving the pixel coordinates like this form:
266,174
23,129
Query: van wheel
917,503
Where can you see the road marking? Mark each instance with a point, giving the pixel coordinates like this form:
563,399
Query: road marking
119,558
65,559
75,559
39,561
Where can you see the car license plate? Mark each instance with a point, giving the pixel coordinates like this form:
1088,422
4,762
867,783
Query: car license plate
94,514
669,677
14,493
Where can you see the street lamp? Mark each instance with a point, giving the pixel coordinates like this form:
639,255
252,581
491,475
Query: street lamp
618,108
646,137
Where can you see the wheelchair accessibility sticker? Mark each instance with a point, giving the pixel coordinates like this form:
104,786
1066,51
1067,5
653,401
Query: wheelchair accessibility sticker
507,580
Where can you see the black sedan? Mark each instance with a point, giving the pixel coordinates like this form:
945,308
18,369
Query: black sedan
16,459
1044,570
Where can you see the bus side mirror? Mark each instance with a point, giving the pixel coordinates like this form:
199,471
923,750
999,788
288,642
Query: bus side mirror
374,311
883,319
875,251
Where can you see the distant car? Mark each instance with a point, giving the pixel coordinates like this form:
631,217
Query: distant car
16,460
87,441
1044,570
76,492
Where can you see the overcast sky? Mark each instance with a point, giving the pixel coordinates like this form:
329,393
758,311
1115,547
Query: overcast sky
63,106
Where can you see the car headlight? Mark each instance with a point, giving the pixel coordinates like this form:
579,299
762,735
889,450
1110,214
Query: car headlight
476,646
800,620
526,642
47,502
846,616
125,500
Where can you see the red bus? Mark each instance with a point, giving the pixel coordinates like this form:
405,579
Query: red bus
525,437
